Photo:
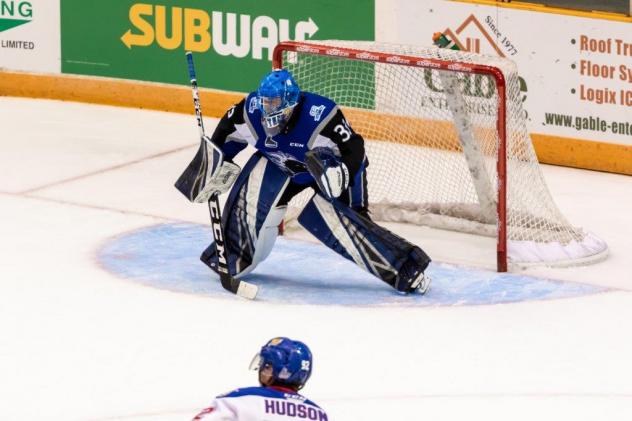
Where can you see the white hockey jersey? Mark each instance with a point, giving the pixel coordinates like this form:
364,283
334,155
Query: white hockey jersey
262,404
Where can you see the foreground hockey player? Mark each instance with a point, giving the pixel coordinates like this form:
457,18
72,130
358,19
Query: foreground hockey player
284,367
302,140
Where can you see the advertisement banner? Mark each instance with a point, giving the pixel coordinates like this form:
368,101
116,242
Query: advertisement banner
232,41
576,72
29,35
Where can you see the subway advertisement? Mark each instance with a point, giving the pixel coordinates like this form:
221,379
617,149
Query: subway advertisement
232,40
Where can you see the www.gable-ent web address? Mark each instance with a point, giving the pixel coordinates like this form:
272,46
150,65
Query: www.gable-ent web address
595,124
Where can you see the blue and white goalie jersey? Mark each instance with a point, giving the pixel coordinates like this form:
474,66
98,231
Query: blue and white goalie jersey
262,404
316,122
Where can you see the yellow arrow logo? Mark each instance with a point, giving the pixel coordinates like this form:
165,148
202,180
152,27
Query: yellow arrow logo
146,37
130,39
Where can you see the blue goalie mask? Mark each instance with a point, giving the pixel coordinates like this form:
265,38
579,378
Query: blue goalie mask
277,96
290,361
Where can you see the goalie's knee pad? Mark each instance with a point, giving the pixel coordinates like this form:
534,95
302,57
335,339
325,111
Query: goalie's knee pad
375,249
251,216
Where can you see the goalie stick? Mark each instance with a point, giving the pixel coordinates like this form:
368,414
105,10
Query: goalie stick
236,286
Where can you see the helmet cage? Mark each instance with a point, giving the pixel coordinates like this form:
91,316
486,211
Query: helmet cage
277,96
276,118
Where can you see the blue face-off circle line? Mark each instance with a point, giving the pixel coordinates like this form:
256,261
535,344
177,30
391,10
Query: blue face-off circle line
166,256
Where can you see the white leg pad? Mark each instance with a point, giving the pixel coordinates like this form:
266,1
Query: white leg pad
267,237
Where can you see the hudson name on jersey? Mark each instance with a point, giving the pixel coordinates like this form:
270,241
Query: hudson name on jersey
262,404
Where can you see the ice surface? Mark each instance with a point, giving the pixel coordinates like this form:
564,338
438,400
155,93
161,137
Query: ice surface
312,274
81,339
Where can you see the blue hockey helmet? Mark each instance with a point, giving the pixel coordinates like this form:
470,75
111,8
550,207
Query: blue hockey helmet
277,96
290,361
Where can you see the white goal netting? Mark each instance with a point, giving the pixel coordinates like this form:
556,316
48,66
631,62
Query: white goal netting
432,139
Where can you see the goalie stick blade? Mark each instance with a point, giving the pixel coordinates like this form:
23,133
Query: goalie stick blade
247,290
242,289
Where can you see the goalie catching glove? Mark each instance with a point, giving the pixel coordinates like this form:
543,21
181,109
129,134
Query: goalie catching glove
207,173
330,173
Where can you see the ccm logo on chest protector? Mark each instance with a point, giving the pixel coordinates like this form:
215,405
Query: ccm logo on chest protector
296,145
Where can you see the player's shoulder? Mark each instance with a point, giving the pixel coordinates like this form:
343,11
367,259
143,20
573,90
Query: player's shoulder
317,106
267,392
250,391
251,104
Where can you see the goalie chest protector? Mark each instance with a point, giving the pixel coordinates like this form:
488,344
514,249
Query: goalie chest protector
287,150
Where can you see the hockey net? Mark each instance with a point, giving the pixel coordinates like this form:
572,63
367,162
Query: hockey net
447,144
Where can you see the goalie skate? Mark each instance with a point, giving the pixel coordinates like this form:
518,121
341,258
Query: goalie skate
420,285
